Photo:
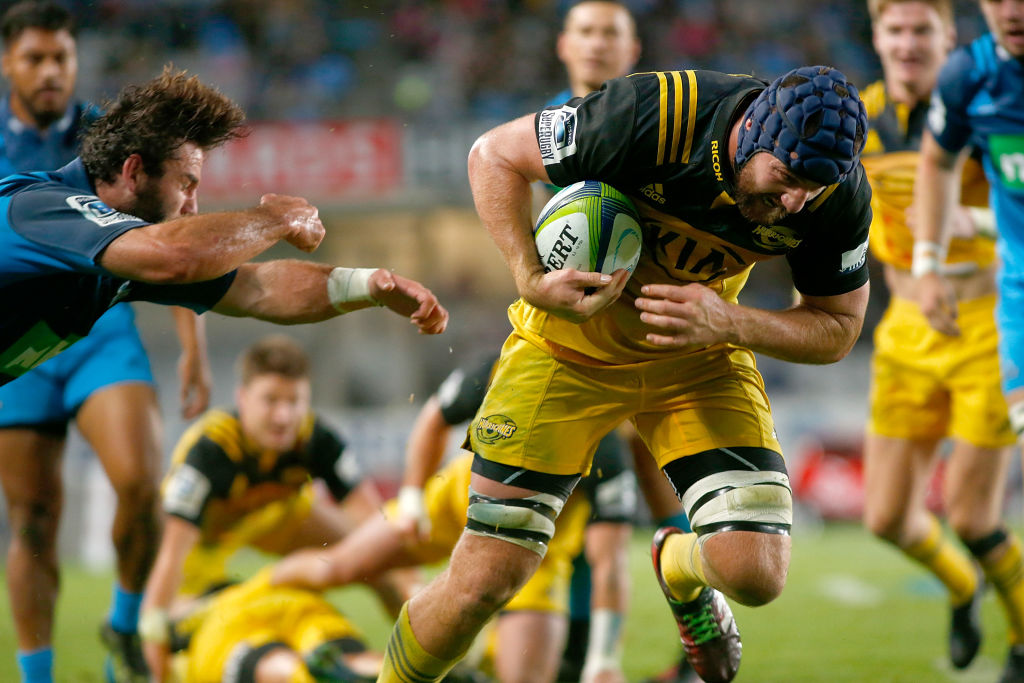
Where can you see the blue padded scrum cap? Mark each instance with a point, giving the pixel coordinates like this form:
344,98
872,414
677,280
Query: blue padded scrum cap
811,119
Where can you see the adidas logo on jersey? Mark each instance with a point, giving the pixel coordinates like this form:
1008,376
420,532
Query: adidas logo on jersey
654,192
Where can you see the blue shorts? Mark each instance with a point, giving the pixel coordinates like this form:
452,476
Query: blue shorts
1010,321
52,393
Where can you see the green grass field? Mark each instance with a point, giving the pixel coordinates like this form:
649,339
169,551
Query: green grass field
853,610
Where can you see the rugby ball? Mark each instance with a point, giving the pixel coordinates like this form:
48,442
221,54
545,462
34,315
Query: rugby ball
589,226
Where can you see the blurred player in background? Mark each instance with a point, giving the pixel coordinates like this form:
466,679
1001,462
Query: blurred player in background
104,383
262,634
599,42
978,103
245,478
928,386
725,171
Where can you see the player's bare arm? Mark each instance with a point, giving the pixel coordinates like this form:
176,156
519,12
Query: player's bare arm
178,539
203,247
194,374
936,200
502,164
292,292
818,329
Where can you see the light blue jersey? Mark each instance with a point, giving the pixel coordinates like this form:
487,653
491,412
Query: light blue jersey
979,100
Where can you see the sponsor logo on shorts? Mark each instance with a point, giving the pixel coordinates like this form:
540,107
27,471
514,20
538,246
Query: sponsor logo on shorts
556,134
494,428
776,237
99,213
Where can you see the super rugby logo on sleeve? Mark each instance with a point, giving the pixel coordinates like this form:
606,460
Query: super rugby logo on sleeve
99,213
854,259
556,134
186,491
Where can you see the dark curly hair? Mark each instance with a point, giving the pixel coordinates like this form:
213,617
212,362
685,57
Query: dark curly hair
154,120
47,16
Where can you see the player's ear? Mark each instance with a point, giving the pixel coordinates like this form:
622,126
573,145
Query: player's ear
131,170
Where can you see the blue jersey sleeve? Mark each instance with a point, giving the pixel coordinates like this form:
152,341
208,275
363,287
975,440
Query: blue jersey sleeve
948,119
66,225
199,296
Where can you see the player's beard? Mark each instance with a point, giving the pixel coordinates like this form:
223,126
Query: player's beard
757,207
43,117
148,204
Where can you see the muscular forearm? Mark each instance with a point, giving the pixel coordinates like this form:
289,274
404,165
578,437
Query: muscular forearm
426,445
501,192
193,248
802,334
283,292
936,192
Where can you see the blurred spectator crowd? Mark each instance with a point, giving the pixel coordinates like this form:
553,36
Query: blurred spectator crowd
445,60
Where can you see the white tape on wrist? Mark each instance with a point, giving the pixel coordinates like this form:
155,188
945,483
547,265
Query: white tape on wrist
410,502
347,285
928,258
155,626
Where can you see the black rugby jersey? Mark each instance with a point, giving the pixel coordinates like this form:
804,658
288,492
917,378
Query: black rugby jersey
218,475
662,138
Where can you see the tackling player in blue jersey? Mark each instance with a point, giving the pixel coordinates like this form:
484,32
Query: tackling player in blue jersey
120,224
104,384
979,100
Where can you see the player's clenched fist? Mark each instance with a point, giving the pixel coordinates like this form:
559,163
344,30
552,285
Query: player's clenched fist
301,220
409,298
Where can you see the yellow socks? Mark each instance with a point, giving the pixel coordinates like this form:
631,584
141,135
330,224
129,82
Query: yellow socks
943,559
681,566
1005,572
405,660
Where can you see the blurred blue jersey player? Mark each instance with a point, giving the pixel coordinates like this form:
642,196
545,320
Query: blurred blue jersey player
979,100
104,383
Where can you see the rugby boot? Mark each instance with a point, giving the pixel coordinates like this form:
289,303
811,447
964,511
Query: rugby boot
965,630
707,629
125,663
1013,672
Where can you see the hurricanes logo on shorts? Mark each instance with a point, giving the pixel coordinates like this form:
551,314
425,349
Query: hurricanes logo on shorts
492,428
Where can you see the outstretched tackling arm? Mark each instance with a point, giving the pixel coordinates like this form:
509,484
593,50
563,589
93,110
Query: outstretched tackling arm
291,292
195,248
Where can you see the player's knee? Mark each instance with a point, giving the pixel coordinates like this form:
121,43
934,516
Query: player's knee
884,523
34,525
137,493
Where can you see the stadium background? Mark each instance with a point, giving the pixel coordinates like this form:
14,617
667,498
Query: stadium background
369,108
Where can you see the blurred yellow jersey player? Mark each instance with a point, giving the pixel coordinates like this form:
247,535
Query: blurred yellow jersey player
256,633
245,477
927,386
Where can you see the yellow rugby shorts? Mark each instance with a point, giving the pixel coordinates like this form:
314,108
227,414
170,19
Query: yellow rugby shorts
548,414
926,385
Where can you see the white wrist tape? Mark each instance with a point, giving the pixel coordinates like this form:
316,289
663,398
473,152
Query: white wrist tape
928,258
347,285
154,626
410,502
